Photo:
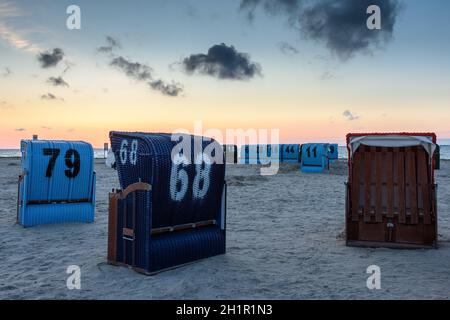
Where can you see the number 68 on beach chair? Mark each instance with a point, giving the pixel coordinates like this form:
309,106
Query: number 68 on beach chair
391,192
57,184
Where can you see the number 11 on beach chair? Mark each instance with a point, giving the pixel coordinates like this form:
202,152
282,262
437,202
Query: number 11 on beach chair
314,157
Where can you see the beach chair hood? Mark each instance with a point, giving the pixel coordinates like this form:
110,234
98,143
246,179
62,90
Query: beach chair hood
392,141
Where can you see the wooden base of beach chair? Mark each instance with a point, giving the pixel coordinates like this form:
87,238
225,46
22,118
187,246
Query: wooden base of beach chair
389,245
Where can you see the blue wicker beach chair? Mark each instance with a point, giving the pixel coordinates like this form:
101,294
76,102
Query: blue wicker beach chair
314,157
171,209
57,183
289,153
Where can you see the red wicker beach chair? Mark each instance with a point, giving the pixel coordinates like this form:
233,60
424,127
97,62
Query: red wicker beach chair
391,192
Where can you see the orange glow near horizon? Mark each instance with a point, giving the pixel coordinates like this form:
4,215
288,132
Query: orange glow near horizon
291,130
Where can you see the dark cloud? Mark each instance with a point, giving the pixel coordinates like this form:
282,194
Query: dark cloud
111,44
173,89
135,70
50,59
340,25
287,48
20,129
50,96
57,81
223,62
350,116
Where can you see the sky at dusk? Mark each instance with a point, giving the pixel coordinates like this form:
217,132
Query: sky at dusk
311,69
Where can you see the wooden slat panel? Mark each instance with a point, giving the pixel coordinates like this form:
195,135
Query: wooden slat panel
378,199
355,187
367,183
390,184
413,185
186,226
424,185
401,187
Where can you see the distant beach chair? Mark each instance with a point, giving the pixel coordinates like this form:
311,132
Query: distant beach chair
57,184
260,154
437,159
289,153
314,157
391,192
333,152
249,154
171,209
231,153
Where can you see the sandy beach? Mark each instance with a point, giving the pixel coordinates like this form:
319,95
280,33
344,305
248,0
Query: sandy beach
284,241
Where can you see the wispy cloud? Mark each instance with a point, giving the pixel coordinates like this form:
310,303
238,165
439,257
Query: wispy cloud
50,96
287,48
17,40
135,70
327,75
20,129
142,72
7,72
169,89
15,37
69,65
139,71
350,116
111,44
4,105
57,81
9,10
